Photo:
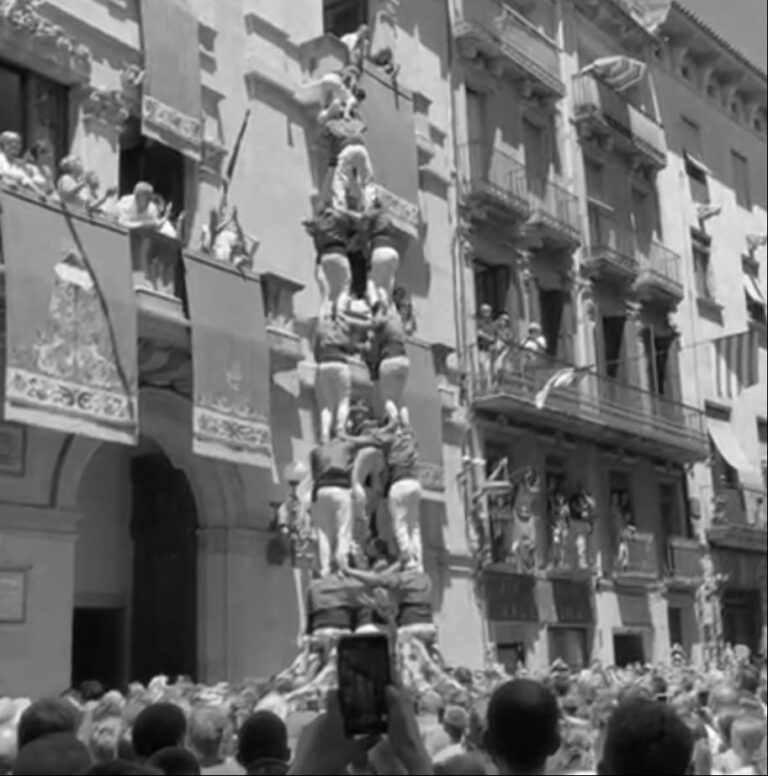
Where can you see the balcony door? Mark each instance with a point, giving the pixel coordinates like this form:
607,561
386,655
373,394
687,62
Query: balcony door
477,135
536,157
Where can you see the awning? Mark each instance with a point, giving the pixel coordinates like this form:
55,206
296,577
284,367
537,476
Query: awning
230,362
71,361
171,103
620,73
752,289
510,597
425,409
728,446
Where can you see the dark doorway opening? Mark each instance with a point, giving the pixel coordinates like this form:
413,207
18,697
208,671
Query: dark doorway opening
742,618
628,649
98,639
164,608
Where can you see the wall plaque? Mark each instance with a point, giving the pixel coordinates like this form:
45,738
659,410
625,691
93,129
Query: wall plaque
13,595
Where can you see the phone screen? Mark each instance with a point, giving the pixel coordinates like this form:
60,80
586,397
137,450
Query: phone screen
364,675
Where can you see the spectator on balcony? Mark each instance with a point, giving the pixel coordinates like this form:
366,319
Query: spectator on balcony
13,170
72,185
40,166
137,210
504,338
95,201
170,227
535,343
486,341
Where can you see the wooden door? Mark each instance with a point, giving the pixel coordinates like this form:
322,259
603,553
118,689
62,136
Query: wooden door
164,531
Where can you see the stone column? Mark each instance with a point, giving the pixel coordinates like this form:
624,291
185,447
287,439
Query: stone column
37,558
527,287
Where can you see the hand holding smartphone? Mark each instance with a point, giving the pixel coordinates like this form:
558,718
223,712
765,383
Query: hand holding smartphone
364,674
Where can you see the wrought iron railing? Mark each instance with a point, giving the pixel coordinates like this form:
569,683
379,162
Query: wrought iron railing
610,241
734,505
684,558
490,170
641,556
594,97
552,202
662,264
517,38
520,374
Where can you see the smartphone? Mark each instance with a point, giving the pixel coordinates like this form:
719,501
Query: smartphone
364,673
662,698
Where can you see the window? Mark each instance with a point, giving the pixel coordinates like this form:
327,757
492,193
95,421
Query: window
143,159
669,506
536,157
556,477
697,181
658,350
552,307
343,16
753,294
675,624
628,648
511,656
702,273
34,107
593,173
691,135
613,344
741,187
491,286
620,490
568,645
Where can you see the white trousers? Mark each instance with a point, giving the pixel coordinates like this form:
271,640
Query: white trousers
393,379
333,388
353,175
381,280
334,278
405,508
332,516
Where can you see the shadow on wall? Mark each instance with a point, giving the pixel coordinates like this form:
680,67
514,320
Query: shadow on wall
285,409
428,24
414,273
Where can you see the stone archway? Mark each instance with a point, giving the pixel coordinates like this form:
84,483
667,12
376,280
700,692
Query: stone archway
220,502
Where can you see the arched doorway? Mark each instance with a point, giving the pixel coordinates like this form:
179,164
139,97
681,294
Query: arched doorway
164,596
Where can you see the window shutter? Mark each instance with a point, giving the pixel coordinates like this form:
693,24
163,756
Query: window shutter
673,388
565,344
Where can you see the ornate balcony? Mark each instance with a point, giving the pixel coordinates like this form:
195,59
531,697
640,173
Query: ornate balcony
604,115
684,560
660,274
641,562
493,184
611,255
554,215
623,20
740,505
497,37
158,273
592,407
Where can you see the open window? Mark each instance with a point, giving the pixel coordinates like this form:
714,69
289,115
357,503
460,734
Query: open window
613,345
492,286
144,159
344,16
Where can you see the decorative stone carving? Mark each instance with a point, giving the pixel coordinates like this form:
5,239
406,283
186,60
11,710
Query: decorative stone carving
22,25
404,214
213,155
131,79
105,106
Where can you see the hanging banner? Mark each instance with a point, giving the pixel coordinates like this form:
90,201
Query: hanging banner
425,409
230,360
71,349
171,102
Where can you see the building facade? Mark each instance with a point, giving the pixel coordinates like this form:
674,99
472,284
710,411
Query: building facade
139,545
713,106
528,175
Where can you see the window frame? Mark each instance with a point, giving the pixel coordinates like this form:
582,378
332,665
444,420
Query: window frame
743,199
339,7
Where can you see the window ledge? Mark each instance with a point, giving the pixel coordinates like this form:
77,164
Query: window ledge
710,309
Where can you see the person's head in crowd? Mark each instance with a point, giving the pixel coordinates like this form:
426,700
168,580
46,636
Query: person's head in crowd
702,753
455,723
430,705
175,761
46,716
747,734
659,685
157,727
523,727
749,680
104,738
471,764
91,690
724,697
646,738
52,754
207,732
121,768
262,744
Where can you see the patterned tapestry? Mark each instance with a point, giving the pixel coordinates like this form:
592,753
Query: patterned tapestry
230,359
71,362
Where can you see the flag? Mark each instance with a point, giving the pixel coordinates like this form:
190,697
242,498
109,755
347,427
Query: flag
620,73
230,171
735,363
563,378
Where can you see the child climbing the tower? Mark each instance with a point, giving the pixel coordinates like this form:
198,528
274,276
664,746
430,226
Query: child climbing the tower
388,361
